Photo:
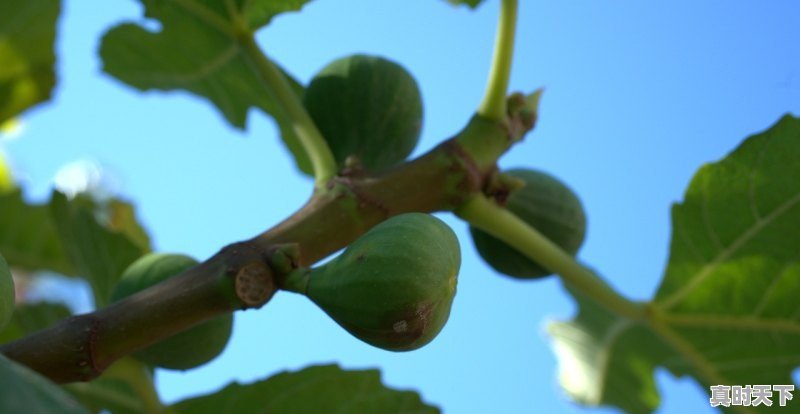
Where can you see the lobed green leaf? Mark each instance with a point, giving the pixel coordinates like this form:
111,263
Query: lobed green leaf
726,311
198,50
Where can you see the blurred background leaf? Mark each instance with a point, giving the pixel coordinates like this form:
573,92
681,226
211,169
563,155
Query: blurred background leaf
27,56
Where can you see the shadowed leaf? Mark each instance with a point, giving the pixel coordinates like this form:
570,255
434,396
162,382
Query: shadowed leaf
320,389
198,50
31,317
25,391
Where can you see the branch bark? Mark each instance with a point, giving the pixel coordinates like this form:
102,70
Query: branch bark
83,346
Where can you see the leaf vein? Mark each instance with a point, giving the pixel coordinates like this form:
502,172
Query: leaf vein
725,254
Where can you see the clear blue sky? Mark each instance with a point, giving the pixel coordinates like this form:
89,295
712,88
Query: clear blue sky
638,96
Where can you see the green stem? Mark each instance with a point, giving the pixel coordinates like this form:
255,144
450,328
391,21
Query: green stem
320,155
501,223
493,105
297,281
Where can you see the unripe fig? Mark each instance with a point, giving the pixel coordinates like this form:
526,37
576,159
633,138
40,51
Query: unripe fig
184,350
394,286
549,206
367,107
6,293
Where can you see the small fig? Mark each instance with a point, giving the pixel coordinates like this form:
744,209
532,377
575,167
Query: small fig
549,206
6,294
366,107
184,350
394,286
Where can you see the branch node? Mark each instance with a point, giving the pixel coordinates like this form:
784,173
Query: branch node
254,284
254,281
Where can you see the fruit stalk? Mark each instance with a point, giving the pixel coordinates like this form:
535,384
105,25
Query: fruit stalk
504,225
322,162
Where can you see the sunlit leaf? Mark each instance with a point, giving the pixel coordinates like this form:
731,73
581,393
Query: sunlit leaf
727,310
6,179
122,218
27,58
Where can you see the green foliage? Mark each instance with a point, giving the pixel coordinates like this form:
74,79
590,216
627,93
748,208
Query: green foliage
28,236
6,180
546,204
27,58
119,390
77,237
368,107
320,389
97,253
185,350
731,284
115,395
725,313
7,298
198,50
24,391
393,287
31,317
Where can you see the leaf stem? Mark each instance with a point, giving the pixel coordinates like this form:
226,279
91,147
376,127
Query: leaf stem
501,223
322,161
493,105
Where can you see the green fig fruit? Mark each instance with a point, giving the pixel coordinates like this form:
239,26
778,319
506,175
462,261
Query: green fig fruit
6,294
394,286
368,107
184,350
549,206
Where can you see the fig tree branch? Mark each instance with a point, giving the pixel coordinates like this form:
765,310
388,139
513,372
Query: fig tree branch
242,275
81,347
